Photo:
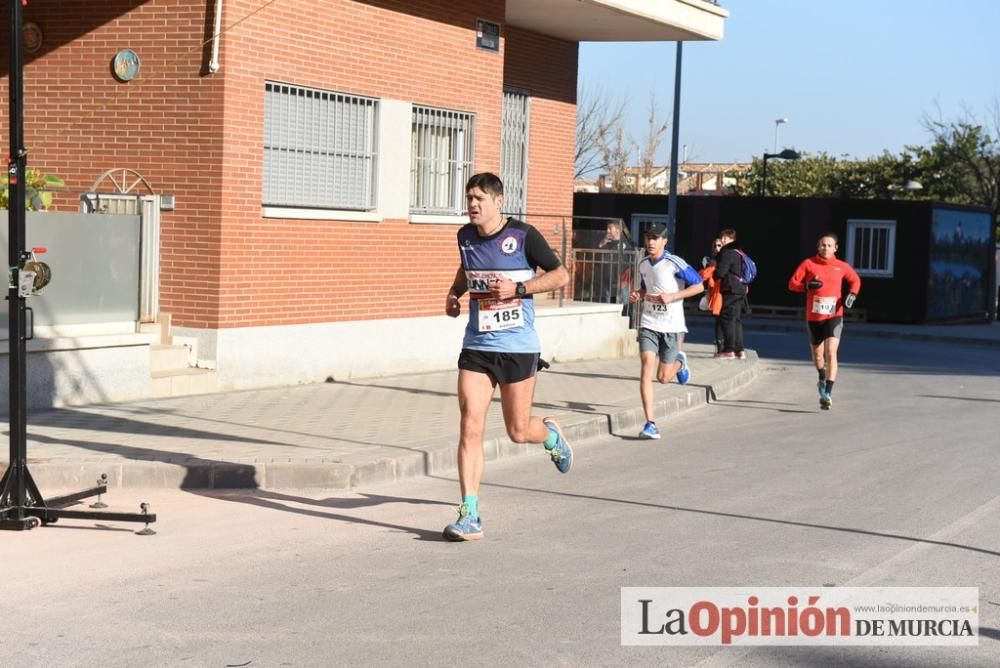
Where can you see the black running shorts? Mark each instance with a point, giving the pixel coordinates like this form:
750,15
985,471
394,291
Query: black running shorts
821,330
502,368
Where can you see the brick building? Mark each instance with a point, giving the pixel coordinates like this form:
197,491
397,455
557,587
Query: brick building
316,154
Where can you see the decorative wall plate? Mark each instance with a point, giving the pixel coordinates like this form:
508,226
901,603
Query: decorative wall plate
126,65
32,36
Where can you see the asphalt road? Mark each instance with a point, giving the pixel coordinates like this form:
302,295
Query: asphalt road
896,486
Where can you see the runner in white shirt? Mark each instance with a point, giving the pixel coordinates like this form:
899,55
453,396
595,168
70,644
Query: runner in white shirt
667,281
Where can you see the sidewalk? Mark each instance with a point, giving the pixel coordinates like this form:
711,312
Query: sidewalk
341,434
344,434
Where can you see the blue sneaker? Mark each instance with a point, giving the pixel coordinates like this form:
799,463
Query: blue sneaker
684,373
561,452
825,400
649,431
466,528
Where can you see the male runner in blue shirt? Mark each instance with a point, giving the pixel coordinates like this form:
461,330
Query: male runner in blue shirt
499,258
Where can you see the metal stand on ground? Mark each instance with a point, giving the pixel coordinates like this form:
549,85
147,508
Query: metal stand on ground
103,480
21,503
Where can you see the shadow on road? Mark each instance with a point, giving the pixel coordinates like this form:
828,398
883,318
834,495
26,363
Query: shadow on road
760,405
271,500
941,396
242,488
752,518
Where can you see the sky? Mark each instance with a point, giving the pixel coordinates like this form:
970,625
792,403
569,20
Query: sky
854,78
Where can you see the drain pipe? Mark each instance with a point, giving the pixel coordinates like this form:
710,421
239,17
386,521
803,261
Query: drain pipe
213,64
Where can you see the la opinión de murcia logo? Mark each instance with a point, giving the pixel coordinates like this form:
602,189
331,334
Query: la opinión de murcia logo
804,616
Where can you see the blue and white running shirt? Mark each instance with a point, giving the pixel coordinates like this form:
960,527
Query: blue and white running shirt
667,273
514,252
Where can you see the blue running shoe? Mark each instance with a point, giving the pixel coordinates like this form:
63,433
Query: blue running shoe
821,386
466,528
825,400
649,431
684,373
561,452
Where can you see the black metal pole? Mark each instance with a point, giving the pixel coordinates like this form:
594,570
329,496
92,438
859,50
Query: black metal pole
672,200
15,494
763,177
21,502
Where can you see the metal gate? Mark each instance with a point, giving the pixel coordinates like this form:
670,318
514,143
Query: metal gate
514,149
122,200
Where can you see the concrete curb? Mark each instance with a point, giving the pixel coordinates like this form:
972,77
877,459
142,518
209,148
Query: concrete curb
438,458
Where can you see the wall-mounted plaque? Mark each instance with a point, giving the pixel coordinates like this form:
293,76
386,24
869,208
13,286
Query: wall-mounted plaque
32,36
126,65
488,35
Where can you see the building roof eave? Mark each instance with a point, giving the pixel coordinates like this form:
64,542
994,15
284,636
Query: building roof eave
620,20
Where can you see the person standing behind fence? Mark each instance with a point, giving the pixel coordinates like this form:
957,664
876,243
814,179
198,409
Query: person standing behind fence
729,273
822,279
666,280
615,268
713,288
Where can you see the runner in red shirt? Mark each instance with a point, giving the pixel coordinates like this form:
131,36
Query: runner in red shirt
822,279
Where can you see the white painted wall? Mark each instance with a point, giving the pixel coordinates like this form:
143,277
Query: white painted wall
252,357
87,369
73,371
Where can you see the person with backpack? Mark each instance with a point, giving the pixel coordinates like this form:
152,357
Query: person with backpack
822,278
733,270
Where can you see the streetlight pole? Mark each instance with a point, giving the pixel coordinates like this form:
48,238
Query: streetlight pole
910,186
675,134
763,175
777,122
787,154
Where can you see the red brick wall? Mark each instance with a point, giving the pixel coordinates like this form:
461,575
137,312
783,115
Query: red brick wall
422,52
199,137
166,124
547,67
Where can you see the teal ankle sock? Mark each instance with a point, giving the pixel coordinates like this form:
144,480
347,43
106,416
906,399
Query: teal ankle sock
551,441
472,504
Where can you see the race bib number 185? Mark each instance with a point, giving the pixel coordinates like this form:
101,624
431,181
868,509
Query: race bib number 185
497,314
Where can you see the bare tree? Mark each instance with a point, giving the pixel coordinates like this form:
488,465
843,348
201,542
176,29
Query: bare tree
647,151
598,120
615,158
964,159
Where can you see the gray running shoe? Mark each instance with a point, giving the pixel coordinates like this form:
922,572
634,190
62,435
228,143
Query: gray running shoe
466,528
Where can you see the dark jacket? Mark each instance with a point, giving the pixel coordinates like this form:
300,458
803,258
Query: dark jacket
729,270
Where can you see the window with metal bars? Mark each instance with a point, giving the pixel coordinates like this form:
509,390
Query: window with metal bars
441,159
871,247
514,149
319,148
